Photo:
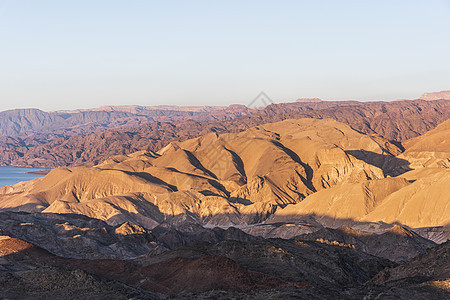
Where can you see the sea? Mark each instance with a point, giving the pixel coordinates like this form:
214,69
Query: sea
13,175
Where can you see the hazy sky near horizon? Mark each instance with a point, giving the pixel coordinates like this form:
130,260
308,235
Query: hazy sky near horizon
87,53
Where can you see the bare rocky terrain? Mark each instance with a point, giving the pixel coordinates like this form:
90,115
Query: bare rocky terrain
256,268
305,200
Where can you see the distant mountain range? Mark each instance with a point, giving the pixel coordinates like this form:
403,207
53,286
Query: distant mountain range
42,139
35,121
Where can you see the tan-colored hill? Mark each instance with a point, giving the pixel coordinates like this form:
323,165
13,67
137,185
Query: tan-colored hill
294,170
429,150
233,178
422,203
338,205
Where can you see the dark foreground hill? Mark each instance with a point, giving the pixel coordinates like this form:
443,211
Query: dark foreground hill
235,267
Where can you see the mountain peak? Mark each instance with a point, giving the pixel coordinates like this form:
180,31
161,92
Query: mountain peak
314,100
442,95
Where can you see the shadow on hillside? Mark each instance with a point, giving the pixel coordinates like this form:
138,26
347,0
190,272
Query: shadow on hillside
391,165
196,227
239,250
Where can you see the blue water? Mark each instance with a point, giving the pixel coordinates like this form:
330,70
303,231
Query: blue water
13,175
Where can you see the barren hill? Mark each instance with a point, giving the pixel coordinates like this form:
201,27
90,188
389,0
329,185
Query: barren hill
431,149
421,203
233,178
263,268
290,171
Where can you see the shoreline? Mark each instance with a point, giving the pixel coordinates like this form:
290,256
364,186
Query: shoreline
41,172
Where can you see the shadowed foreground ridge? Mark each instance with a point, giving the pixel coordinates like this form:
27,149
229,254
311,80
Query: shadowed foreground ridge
229,268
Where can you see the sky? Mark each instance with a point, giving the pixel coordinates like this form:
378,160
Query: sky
67,54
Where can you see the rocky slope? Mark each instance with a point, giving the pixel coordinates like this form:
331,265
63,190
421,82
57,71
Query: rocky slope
29,272
266,268
77,236
429,150
398,244
72,257
432,265
422,203
427,276
196,268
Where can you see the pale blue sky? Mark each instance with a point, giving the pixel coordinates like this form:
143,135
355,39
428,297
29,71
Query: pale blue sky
66,54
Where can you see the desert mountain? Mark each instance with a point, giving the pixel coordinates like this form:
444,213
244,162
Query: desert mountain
309,100
422,203
32,121
291,171
429,150
233,178
395,121
436,96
